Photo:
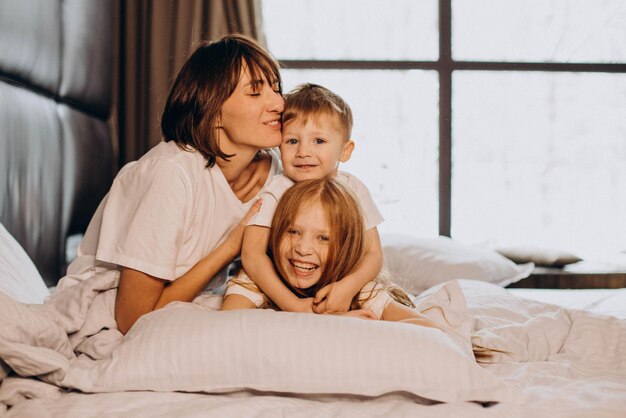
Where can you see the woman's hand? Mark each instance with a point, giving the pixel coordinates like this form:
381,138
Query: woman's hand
235,236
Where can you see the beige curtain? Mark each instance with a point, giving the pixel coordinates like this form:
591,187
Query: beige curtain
155,39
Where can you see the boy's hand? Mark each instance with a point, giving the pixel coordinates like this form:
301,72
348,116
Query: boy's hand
303,305
333,298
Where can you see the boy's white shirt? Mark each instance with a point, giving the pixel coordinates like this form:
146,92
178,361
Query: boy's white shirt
273,191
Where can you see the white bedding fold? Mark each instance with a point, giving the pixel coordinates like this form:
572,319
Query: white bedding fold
185,347
43,340
567,363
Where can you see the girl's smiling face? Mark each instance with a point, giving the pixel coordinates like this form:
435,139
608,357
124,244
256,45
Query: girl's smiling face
303,249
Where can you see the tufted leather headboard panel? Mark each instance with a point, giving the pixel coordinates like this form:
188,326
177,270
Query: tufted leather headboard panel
56,149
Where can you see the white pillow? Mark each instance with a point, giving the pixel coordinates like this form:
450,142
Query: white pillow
185,347
19,277
419,263
542,257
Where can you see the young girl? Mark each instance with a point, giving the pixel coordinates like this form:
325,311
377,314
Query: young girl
316,239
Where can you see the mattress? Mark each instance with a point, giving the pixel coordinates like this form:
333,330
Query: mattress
601,301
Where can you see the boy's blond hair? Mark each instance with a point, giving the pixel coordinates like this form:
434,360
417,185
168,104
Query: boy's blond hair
314,100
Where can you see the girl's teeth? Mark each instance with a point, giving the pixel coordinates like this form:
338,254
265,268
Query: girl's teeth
307,267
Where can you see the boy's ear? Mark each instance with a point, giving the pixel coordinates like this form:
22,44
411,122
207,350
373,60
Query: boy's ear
346,152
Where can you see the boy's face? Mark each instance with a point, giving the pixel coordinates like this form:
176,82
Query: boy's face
313,150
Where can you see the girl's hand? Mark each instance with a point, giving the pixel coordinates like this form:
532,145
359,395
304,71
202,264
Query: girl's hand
235,237
360,313
333,298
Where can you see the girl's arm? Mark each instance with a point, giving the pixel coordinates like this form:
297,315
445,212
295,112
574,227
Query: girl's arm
397,312
338,296
260,269
139,293
232,302
360,313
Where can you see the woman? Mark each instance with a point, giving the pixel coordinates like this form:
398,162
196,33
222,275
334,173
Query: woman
174,219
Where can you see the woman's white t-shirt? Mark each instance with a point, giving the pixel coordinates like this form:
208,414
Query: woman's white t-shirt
163,214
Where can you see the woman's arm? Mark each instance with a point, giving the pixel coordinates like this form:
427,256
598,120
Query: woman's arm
128,306
140,293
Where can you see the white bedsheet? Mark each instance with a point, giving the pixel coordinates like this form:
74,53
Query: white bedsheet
566,362
601,301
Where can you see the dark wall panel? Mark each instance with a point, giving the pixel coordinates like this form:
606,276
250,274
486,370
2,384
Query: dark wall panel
56,150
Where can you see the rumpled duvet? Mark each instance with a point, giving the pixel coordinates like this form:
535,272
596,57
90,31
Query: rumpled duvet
569,363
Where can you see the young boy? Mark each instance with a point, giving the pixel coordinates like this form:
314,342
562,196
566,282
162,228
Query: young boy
317,125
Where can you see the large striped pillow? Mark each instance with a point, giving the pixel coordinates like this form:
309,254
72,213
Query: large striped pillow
185,347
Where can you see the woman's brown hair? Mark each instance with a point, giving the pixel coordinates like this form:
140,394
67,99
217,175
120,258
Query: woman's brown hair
347,239
205,81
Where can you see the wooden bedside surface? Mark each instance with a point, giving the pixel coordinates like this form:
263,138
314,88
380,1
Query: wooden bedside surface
553,278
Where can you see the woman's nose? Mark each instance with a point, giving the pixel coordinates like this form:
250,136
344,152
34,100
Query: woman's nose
276,102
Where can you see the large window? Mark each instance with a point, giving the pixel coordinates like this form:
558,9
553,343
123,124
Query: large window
497,122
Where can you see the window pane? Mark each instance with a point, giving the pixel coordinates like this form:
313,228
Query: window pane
539,30
352,29
539,159
396,140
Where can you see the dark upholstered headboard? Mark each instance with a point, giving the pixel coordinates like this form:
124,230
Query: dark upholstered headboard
56,149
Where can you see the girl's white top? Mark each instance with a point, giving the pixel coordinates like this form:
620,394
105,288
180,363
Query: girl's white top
373,294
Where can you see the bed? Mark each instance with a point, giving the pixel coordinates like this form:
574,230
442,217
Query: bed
560,352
